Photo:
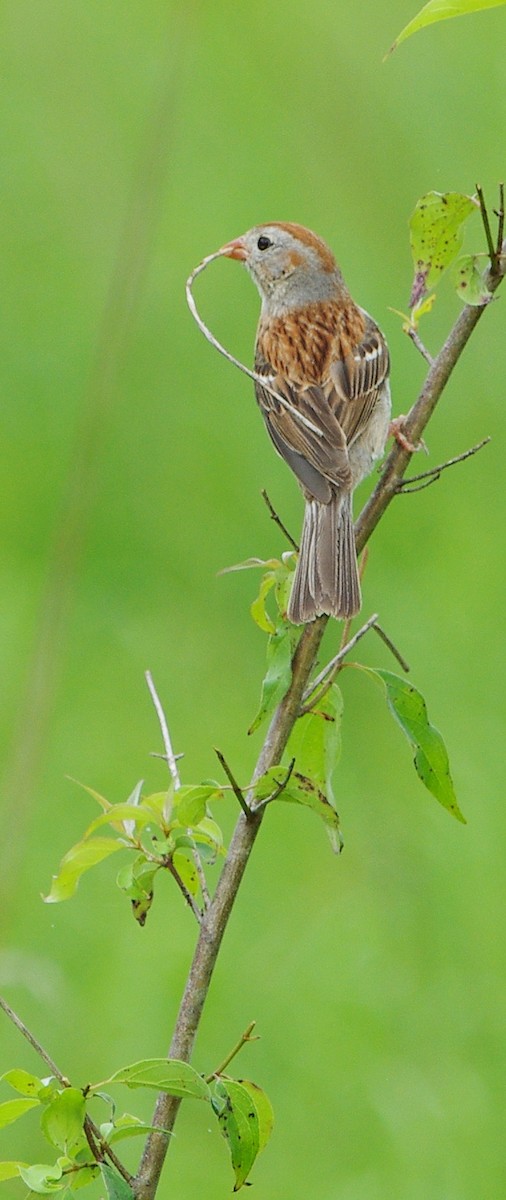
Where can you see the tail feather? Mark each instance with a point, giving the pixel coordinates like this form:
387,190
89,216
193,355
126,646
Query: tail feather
326,579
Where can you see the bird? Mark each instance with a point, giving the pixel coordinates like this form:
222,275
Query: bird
325,401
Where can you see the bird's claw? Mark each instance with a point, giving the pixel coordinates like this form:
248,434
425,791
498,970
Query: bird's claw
396,430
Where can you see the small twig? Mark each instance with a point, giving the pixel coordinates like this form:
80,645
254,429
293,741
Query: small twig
278,520
417,341
393,649
245,1037
486,226
420,487
327,674
172,760
500,226
97,1152
265,381
277,790
43,1054
169,753
234,784
100,1148
434,473
206,899
157,754
190,900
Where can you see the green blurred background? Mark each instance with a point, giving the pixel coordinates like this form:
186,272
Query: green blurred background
135,139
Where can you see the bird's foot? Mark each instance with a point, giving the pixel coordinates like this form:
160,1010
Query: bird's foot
396,430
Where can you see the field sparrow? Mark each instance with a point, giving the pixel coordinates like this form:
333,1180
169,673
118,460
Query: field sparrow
328,362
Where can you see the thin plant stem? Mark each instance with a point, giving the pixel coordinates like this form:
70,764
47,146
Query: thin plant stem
275,517
238,792
245,1037
434,472
172,760
329,672
391,646
169,753
98,1146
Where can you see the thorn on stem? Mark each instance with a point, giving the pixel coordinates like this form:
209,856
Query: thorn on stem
278,521
238,793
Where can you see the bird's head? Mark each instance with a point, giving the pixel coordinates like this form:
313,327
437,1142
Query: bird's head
290,265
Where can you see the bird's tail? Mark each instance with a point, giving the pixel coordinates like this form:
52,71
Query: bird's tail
326,579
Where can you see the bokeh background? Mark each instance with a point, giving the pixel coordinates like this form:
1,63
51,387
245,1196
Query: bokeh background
135,139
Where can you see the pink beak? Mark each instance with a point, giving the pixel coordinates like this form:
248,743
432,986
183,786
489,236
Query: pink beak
235,249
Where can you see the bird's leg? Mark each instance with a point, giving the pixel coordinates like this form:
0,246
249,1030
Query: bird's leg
396,430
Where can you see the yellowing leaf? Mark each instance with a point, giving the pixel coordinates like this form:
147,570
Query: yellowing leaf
12,1110
470,280
10,1170
442,10
436,237
79,859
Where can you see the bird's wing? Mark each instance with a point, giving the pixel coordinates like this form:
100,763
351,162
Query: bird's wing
356,379
307,434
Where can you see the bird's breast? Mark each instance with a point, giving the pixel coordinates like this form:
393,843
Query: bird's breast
301,345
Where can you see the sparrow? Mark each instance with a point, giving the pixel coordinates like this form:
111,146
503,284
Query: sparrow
325,402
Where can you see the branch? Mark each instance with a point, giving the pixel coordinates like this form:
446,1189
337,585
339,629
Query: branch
169,753
393,649
423,408
278,521
430,476
247,1036
98,1146
215,920
417,341
30,1037
238,792
329,672
172,760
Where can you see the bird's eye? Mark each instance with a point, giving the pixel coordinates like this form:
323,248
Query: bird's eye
264,242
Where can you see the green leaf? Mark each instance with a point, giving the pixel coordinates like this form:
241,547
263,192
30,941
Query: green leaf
431,758
441,10
12,1110
315,743
279,671
83,1177
50,1087
258,610
101,800
136,879
10,1170
79,859
190,803
470,282
23,1082
63,1119
118,815
186,870
117,1187
209,833
126,1126
436,237
238,1121
264,1111
43,1178
166,1075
